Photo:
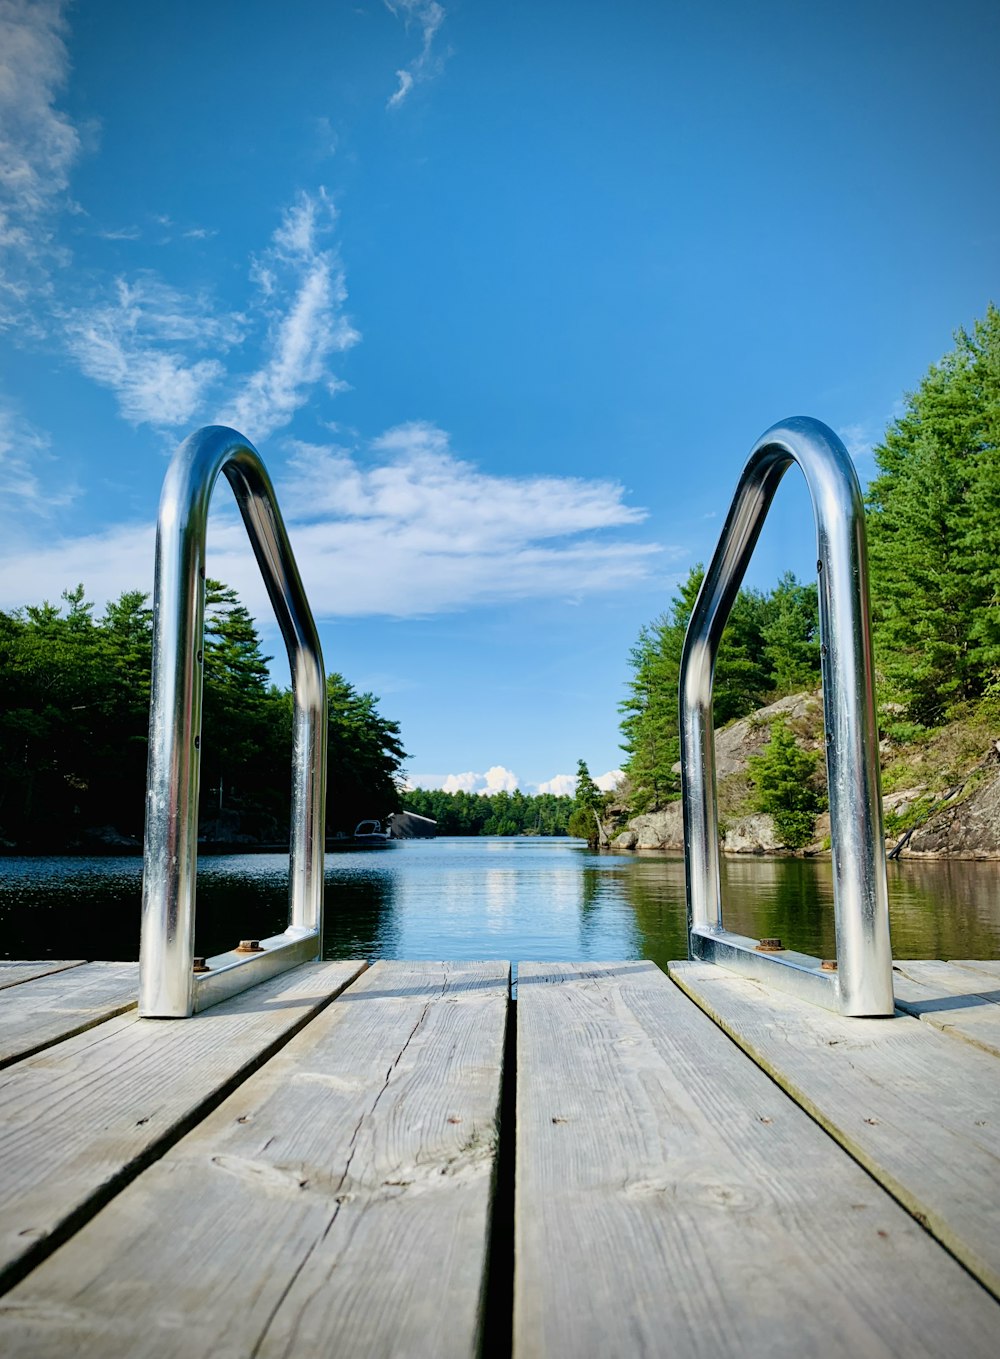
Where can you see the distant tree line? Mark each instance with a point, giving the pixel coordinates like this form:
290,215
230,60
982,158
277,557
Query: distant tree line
73,730
501,813
933,520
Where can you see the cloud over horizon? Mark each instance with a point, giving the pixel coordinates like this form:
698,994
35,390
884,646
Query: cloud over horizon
500,779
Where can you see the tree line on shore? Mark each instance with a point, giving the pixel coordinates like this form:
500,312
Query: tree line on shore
501,813
933,540
73,730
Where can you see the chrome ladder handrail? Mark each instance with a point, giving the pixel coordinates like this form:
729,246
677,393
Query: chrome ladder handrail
168,985
861,984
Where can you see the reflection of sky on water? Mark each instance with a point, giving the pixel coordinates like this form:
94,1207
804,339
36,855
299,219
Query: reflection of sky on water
517,899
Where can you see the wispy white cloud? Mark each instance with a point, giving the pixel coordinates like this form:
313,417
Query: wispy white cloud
407,528
429,16
414,532
301,282
25,456
38,145
161,351
130,233
142,345
859,439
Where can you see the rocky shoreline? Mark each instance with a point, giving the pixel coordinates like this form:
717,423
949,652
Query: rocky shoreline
942,817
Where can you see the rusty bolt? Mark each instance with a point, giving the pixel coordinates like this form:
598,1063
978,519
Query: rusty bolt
249,946
828,965
770,946
200,965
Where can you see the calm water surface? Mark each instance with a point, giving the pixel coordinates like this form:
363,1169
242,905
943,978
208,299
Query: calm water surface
491,898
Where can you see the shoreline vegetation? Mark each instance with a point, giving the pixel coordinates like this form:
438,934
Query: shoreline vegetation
935,596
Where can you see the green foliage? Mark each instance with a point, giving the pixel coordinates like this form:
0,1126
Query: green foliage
365,757
770,648
73,731
502,813
932,533
784,776
649,712
588,802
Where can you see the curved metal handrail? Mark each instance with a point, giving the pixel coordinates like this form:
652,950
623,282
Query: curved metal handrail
168,987
862,982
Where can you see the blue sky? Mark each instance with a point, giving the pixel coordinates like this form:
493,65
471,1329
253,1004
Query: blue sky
503,292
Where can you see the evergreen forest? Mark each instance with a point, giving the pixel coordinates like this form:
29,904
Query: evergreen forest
933,539
73,730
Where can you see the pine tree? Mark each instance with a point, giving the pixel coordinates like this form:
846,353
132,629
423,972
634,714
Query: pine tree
932,532
588,802
783,776
365,757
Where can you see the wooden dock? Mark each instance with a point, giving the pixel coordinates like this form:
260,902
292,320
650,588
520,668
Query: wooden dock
402,1161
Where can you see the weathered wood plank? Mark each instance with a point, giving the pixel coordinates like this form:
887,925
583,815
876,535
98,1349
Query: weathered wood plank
79,1120
671,1200
14,973
990,966
920,1111
44,1011
955,999
338,1202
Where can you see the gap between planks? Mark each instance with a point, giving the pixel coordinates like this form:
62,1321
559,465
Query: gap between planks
47,1009
960,999
84,1117
14,973
672,1199
338,1200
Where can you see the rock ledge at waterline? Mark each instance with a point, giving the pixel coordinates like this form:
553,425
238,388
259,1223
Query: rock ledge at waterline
943,817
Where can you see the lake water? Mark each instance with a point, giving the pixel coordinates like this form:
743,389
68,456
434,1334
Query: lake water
486,897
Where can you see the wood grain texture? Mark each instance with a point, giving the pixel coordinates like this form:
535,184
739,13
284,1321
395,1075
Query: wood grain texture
80,1119
671,1200
955,999
337,1203
58,1005
13,973
919,1110
991,966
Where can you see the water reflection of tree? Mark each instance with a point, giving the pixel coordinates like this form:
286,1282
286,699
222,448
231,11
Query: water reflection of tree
945,909
789,899
248,898
656,893
360,916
